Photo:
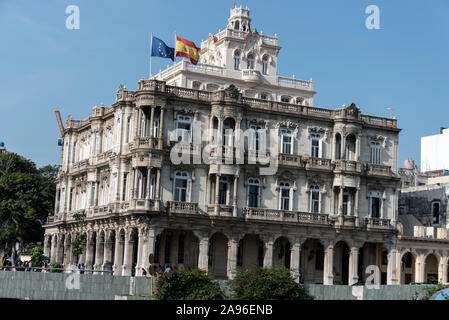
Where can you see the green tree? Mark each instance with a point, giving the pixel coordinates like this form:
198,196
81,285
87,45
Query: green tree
27,196
267,284
77,246
188,285
37,257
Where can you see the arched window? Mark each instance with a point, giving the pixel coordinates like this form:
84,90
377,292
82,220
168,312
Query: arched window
250,61
244,27
315,199
253,193
285,196
182,186
265,64
237,25
299,100
264,96
236,59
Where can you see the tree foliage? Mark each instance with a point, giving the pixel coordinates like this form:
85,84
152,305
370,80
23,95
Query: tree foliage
27,197
77,245
37,257
188,285
267,284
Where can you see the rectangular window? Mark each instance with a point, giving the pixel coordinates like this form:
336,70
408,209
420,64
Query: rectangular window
286,136
315,204
253,196
125,181
375,204
181,190
157,246
74,153
223,192
92,194
315,151
70,199
183,128
128,129
436,212
285,198
181,241
375,151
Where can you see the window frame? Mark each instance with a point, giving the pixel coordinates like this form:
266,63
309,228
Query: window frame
314,189
288,134
182,175
375,152
254,182
283,185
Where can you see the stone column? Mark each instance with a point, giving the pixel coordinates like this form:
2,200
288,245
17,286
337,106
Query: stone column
328,276
343,147
233,243
107,252
295,259
391,269
127,264
118,254
150,245
161,121
151,126
140,245
356,207
99,254
58,251
234,197
353,265
47,245
89,251
442,270
203,238
340,202
268,252
217,193
419,269
68,250
157,191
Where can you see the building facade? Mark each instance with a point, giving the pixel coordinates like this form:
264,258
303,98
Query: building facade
323,202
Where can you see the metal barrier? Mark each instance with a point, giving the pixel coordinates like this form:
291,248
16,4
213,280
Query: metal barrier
54,270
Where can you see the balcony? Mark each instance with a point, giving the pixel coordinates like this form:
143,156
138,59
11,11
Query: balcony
251,76
377,223
285,216
318,164
223,210
348,166
290,160
377,170
345,221
179,207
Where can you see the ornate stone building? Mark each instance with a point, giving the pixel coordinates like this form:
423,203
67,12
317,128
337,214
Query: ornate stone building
327,212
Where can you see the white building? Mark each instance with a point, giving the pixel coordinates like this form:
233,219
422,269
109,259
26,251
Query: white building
435,152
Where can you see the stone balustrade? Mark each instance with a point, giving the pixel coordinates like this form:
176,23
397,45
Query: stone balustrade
377,170
285,216
318,163
182,207
348,166
376,223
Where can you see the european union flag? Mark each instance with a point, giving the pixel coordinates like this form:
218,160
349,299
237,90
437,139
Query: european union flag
160,49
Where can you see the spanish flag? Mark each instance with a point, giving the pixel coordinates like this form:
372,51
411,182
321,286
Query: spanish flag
187,49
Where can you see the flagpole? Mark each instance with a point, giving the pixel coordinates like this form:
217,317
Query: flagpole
174,53
151,53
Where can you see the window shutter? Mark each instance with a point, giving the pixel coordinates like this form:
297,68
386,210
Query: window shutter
188,192
320,148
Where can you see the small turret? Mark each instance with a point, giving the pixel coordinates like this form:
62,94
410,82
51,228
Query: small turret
239,19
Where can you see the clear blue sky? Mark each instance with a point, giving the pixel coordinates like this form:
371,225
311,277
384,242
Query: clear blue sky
404,65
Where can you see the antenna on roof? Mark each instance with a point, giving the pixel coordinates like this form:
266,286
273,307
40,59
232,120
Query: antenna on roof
391,112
